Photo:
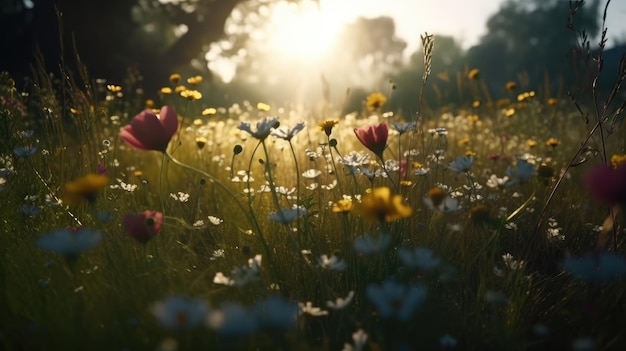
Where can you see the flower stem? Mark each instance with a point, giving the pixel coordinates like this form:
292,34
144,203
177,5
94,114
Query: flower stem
250,216
161,176
295,161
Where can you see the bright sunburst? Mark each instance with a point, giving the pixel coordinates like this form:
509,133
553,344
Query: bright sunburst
305,32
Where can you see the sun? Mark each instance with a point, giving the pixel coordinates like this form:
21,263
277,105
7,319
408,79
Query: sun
305,31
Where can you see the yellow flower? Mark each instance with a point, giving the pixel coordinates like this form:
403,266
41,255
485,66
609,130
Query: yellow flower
545,171
195,80
510,86
201,142
470,153
114,88
464,142
553,101
509,112
137,173
328,125
174,78
553,142
263,107
84,188
209,111
476,103
149,103
166,90
180,88
472,119
436,196
473,74
342,206
375,101
525,96
531,143
74,111
503,103
617,160
406,183
197,122
191,95
381,205
479,214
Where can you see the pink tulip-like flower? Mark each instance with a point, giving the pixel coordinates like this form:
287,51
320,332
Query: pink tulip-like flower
150,131
607,184
373,137
143,226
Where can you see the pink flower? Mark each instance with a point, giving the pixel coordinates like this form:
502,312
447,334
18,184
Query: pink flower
150,131
373,137
143,226
607,184
102,169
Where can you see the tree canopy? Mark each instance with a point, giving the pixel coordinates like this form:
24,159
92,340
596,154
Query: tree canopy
159,37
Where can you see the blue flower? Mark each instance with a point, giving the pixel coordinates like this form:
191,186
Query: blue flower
263,127
180,312
601,268
288,134
369,245
286,215
402,128
522,172
70,242
25,151
30,209
461,164
233,321
276,313
419,257
396,301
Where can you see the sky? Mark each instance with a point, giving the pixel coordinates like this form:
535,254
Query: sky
463,19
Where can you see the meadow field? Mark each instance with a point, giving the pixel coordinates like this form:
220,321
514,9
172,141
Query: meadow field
170,224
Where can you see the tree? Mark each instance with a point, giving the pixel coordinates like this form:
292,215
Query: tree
531,36
448,61
157,37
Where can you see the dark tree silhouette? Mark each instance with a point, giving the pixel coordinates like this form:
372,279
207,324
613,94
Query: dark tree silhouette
108,38
112,36
532,37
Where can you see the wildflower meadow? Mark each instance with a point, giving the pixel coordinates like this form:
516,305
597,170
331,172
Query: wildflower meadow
169,224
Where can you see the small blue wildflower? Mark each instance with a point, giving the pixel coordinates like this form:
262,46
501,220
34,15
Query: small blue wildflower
286,215
263,127
69,242
447,342
522,172
419,258
369,245
276,313
31,210
600,268
461,164
233,321
180,312
105,216
403,127
24,151
396,301
286,133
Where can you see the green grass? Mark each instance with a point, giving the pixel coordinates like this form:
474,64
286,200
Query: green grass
104,300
